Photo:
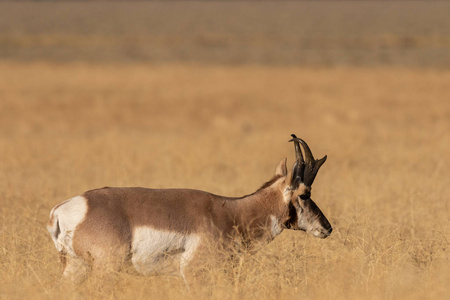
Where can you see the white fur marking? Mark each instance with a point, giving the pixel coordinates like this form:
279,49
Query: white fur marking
275,228
287,194
150,246
69,215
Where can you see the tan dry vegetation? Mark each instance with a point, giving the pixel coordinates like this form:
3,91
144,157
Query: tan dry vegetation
68,128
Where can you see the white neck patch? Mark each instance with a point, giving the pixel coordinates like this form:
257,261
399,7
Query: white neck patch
275,228
287,193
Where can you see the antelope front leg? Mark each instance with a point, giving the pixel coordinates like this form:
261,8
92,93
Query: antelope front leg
191,248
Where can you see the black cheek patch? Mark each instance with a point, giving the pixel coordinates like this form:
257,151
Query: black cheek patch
305,196
293,218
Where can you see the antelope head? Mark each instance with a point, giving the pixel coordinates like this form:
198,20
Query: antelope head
304,214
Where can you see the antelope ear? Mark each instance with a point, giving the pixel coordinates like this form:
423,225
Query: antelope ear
290,177
281,168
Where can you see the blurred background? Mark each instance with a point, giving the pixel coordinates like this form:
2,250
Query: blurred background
205,95
287,33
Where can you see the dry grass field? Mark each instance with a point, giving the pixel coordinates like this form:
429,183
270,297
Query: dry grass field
66,127
385,186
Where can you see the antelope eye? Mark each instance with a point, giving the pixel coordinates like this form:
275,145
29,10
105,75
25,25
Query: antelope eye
305,196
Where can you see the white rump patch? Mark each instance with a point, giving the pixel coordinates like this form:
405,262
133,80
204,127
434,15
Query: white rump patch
150,247
66,217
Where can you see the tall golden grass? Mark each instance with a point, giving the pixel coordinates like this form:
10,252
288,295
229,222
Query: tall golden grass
68,128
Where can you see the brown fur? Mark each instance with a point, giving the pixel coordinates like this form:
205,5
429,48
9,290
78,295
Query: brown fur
104,237
114,212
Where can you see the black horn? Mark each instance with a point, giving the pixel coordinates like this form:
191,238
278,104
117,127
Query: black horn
308,154
311,166
299,166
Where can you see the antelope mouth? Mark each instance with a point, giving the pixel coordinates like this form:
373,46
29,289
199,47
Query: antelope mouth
322,234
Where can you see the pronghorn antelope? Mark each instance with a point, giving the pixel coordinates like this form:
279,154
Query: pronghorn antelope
143,226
